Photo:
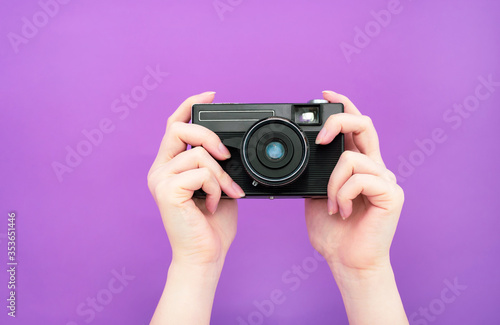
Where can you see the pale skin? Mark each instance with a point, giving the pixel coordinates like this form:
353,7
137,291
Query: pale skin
352,229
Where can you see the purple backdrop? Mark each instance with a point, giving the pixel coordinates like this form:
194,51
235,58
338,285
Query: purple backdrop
91,247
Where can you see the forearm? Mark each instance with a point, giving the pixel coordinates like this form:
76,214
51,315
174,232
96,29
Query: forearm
370,297
188,295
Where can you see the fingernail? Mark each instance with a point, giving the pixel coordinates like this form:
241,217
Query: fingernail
321,136
330,206
329,92
224,151
209,93
238,189
342,215
215,208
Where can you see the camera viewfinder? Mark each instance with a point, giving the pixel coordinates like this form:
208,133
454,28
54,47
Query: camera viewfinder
306,115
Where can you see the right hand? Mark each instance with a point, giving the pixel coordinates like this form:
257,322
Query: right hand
361,190
200,231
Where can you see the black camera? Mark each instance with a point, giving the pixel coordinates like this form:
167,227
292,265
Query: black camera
273,150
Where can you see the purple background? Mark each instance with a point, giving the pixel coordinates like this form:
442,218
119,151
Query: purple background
72,234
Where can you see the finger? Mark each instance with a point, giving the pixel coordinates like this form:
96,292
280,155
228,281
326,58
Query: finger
377,190
182,186
183,112
199,158
349,143
360,126
349,164
333,97
180,134
349,107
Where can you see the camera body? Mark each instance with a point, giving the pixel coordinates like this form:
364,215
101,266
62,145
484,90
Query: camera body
272,146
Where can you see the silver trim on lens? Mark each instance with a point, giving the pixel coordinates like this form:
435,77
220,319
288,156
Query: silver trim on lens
300,167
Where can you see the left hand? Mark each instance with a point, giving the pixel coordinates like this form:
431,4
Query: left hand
361,190
200,231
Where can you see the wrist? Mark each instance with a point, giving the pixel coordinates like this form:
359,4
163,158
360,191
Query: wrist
369,293
188,295
359,282
206,275
346,273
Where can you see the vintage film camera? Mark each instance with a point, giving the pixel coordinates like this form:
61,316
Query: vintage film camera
273,150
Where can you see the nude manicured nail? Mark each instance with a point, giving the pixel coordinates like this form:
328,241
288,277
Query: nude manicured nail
215,208
224,151
329,92
321,136
238,189
330,207
342,214
209,93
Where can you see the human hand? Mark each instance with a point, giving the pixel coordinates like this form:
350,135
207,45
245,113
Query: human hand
361,190
353,229
200,231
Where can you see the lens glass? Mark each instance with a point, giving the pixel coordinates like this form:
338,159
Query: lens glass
275,150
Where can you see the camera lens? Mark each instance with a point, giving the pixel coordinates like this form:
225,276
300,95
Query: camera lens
275,151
